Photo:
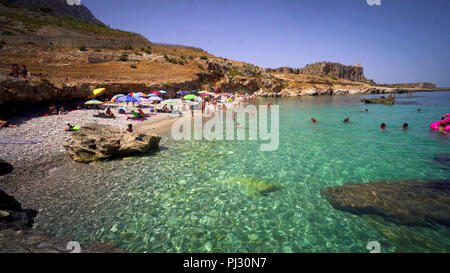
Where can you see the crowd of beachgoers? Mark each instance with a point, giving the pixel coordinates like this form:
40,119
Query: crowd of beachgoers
28,139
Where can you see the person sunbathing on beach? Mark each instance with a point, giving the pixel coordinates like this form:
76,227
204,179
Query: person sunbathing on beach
69,128
109,113
52,110
130,128
61,111
5,123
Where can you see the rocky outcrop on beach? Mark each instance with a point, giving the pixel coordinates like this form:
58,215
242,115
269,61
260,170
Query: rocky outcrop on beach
5,167
12,216
389,100
94,142
407,202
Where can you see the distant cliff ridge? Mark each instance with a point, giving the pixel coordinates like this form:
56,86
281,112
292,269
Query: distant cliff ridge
425,85
354,73
59,7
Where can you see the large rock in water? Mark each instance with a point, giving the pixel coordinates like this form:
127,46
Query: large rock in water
5,167
389,101
406,202
12,216
94,142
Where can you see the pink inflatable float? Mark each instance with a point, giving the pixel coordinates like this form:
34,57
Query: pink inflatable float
435,125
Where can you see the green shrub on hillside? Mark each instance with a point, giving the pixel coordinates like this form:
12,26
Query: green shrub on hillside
201,67
32,8
233,72
123,57
8,3
204,57
46,9
7,32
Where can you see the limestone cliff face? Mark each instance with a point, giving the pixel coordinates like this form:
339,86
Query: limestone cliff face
354,73
348,72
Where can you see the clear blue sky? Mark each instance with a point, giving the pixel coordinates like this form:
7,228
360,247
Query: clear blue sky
398,41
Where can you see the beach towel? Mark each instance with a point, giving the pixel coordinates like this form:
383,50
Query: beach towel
12,141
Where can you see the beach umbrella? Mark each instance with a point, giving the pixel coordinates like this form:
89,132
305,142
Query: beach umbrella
113,99
162,92
156,92
152,95
205,95
142,99
127,99
98,91
94,102
140,94
155,98
190,97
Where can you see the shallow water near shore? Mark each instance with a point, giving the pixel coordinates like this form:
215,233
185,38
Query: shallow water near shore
182,199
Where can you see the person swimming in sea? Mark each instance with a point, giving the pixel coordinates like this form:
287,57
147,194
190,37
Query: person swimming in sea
313,120
441,127
419,110
405,126
347,120
383,126
367,110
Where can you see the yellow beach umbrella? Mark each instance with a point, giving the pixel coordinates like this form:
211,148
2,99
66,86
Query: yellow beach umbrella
98,91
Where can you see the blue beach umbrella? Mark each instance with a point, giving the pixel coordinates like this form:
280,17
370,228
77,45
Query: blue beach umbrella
155,98
127,99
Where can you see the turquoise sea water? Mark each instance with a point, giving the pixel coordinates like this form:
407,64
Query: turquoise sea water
182,199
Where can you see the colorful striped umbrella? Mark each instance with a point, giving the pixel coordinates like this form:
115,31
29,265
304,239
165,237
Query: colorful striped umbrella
94,102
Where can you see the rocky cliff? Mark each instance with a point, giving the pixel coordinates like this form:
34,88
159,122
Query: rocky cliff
62,8
353,73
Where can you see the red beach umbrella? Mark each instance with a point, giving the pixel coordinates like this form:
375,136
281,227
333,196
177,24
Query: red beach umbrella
156,92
